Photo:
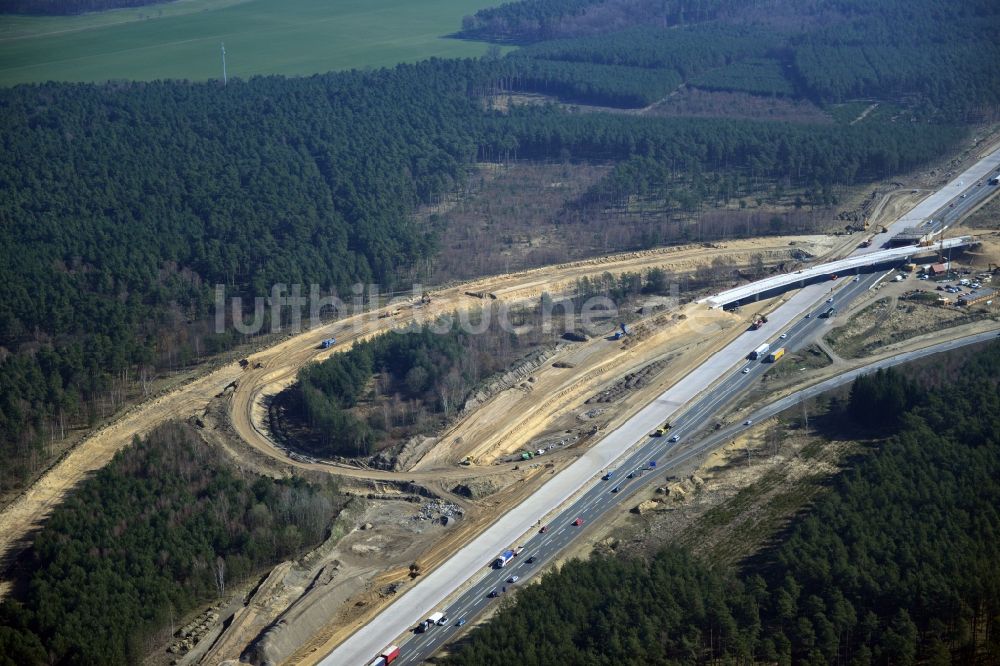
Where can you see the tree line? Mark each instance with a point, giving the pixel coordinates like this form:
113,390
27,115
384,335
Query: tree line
896,564
129,202
163,529
527,21
409,381
938,56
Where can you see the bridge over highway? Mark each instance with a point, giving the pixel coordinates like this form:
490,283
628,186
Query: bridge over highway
859,263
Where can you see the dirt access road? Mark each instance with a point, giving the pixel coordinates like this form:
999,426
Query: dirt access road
280,363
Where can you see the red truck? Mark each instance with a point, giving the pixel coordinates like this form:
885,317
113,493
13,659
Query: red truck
758,321
388,656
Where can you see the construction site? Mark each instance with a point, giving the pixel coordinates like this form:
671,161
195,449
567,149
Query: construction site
521,428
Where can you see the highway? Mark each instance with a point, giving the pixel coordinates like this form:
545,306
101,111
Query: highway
593,502
668,456
720,378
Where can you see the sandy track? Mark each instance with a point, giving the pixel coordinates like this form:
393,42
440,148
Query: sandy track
281,361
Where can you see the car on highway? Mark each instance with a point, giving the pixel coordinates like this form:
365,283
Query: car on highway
607,477
530,560
746,371
578,522
493,593
616,489
512,579
783,336
748,422
857,279
461,622
631,475
829,300
545,528
675,438
808,315
443,621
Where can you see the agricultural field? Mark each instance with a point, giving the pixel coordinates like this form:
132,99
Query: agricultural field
181,40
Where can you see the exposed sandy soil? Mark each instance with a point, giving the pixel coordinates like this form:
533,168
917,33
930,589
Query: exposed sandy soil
280,362
894,318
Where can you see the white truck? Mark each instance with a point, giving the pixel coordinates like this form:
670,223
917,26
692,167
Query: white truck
759,352
432,619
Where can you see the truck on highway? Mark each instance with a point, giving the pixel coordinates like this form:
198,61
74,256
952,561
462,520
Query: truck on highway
760,351
829,313
329,342
776,354
387,656
431,620
504,559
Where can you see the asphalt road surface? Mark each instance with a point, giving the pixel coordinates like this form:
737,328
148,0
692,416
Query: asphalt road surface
644,464
720,378
607,494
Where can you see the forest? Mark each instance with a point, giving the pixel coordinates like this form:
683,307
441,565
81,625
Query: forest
161,530
68,7
942,62
127,203
409,381
527,21
896,564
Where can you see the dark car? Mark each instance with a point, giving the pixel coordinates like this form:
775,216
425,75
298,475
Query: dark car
545,528
530,560
461,622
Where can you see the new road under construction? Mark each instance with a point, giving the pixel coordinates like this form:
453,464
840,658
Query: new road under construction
464,584
400,607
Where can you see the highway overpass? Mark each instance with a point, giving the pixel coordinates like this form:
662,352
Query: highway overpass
855,264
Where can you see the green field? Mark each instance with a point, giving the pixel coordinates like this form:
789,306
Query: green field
181,39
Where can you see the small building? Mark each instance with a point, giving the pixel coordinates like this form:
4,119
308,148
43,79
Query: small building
984,295
939,269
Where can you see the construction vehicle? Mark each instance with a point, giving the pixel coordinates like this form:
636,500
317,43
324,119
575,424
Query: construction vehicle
775,355
866,242
758,321
621,333
659,432
758,352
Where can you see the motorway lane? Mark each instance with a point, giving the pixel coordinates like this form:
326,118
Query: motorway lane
543,547
466,564
966,182
600,498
